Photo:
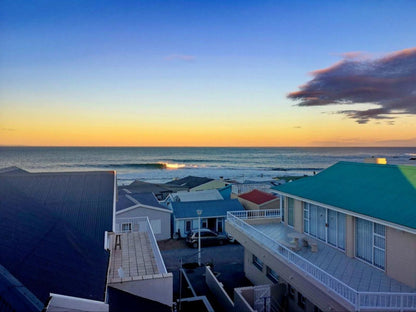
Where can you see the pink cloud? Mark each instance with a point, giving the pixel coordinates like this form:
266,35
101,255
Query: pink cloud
389,82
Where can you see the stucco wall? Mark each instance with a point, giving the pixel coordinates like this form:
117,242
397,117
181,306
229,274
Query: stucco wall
298,215
275,204
401,256
248,205
315,292
156,289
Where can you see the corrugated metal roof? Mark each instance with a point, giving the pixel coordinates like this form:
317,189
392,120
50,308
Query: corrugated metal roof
190,181
258,197
210,208
385,192
213,184
125,201
198,195
52,231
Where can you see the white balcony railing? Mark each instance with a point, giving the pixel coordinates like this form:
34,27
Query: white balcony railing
142,224
359,300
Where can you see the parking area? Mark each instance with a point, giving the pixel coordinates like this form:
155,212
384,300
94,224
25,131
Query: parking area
226,261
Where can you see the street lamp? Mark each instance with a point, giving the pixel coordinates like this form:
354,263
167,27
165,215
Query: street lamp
199,212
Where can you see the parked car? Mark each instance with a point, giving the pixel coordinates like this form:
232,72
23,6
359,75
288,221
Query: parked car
208,237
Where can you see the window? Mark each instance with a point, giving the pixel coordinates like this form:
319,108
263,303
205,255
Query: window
219,225
257,263
282,207
301,300
272,275
291,291
126,227
204,223
188,225
325,224
370,242
290,212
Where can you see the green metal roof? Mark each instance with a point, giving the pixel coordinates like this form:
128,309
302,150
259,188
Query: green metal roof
386,192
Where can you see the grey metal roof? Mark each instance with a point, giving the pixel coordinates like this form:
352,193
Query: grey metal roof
125,201
52,231
190,181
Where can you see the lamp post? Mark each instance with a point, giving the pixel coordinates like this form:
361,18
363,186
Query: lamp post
199,212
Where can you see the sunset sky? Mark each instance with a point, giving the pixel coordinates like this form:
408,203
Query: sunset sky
208,73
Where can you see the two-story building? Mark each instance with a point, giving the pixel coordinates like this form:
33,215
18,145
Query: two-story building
347,242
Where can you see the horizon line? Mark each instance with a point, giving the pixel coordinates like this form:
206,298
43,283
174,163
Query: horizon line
202,146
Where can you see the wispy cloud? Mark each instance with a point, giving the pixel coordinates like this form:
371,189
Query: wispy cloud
180,57
388,82
8,129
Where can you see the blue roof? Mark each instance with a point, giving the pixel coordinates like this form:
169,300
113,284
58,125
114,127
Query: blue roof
147,199
210,208
16,294
52,231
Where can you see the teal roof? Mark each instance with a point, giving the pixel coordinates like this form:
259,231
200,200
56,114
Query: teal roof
386,192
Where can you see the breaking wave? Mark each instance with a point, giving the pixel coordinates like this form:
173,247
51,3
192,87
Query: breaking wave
297,169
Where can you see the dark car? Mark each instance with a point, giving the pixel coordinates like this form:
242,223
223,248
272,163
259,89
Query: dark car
208,237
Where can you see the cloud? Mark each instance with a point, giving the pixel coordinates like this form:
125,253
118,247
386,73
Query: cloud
180,57
8,129
388,82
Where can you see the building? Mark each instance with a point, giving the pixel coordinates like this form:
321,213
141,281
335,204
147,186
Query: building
132,207
347,243
185,196
137,276
257,200
161,191
52,233
189,182
210,185
214,213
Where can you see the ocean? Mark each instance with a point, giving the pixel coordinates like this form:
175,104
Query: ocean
162,164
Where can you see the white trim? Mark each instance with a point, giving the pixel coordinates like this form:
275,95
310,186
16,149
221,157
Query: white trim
115,200
193,218
354,214
127,191
143,206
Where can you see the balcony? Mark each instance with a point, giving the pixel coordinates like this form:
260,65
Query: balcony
136,265
361,286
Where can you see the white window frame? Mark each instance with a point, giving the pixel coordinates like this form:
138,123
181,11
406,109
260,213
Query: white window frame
129,226
293,212
258,263
272,275
307,229
374,247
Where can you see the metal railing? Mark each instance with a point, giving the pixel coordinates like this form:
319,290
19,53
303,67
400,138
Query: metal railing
359,300
142,224
256,214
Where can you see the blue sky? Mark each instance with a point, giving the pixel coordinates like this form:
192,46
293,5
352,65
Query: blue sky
235,61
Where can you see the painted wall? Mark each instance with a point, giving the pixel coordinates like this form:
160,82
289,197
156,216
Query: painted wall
312,290
298,215
248,205
153,215
401,256
159,288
